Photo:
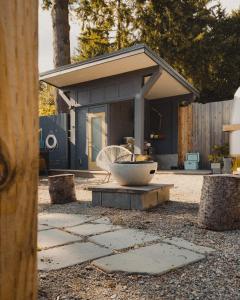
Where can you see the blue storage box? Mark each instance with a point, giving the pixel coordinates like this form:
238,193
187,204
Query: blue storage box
192,161
191,165
193,156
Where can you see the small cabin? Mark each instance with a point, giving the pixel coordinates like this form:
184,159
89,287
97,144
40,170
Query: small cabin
128,94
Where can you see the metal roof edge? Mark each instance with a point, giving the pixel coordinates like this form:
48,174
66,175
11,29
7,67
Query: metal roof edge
158,60
170,70
94,59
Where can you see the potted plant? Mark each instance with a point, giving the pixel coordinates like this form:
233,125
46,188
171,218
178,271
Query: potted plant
218,157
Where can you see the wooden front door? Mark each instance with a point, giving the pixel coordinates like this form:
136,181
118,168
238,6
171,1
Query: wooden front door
96,127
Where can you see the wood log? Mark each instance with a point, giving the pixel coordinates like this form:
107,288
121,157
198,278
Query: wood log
18,149
220,203
62,188
231,127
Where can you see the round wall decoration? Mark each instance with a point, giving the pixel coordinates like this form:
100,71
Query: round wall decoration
51,141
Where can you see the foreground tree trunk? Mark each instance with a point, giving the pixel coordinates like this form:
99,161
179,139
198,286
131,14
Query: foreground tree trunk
61,43
18,149
220,202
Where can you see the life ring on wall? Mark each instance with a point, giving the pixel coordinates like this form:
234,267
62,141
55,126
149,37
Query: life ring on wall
51,142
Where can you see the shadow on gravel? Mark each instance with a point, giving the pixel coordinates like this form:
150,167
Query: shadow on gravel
77,207
176,208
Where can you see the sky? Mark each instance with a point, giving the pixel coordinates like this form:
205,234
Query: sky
45,34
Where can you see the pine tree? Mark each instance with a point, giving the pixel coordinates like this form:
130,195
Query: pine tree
196,37
106,25
46,100
96,23
170,27
216,57
61,40
123,21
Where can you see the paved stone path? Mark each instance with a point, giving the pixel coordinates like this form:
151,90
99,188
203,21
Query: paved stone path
68,239
154,259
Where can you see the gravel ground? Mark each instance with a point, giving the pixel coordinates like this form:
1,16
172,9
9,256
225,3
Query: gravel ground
217,277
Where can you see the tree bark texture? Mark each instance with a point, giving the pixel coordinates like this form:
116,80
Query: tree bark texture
61,43
220,202
18,148
62,188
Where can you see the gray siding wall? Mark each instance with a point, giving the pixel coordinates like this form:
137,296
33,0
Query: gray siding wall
81,155
110,89
106,94
169,125
121,120
98,95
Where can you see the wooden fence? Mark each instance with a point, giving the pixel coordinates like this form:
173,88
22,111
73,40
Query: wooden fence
207,127
185,121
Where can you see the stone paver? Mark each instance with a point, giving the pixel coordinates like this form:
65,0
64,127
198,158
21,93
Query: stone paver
103,220
188,245
123,238
43,227
92,229
63,220
155,259
163,256
55,237
69,255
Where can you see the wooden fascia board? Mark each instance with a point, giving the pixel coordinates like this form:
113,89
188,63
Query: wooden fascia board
231,127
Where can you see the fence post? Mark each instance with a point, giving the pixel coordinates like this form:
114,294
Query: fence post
18,149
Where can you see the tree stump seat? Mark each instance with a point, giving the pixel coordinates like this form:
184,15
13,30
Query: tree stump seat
62,188
220,202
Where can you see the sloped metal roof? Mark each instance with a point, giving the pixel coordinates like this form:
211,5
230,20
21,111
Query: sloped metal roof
70,74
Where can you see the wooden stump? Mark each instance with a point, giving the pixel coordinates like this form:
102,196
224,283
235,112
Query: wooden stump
62,188
220,202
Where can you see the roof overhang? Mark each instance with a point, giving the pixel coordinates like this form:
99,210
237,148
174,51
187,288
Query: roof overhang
138,57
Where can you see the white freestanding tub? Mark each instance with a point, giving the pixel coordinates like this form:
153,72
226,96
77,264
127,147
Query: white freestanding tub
134,173
235,119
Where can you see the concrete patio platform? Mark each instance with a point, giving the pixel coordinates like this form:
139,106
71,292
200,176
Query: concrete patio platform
69,255
155,259
113,195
